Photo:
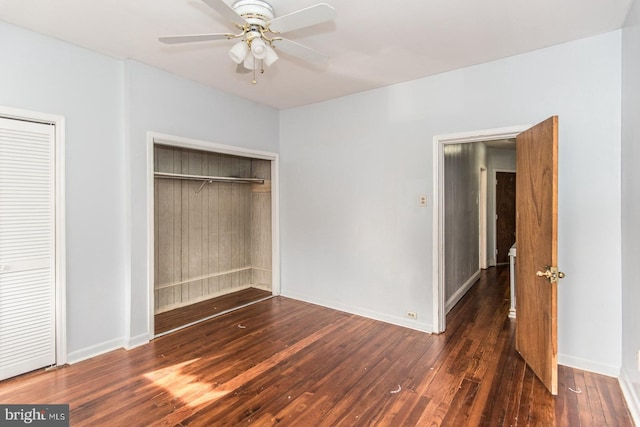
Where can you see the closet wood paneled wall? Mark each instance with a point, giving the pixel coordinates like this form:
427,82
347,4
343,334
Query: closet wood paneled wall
214,241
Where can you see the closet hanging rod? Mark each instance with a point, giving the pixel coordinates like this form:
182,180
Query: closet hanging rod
167,175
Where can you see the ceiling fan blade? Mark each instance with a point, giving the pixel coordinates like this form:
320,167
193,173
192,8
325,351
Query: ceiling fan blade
306,17
300,51
194,38
226,11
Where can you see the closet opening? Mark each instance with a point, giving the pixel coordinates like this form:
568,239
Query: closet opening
212,233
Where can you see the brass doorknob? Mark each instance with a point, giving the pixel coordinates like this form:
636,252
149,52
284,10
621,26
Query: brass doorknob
546,273
551,273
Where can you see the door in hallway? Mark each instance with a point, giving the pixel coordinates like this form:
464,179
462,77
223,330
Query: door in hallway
505,215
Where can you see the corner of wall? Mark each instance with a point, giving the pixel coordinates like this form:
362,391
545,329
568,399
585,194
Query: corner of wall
137,341
630,395
126,191
94,350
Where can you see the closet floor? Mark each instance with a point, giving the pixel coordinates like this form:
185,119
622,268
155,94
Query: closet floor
182,316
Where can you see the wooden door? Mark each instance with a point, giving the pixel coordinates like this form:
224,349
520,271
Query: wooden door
537,247
505,215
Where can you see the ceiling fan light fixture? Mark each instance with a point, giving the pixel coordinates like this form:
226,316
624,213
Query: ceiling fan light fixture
238,52
249,62
258,48
259,32
270,57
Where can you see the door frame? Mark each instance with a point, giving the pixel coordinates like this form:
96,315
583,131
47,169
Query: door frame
495,213
212,147
439,141
482,218
60,276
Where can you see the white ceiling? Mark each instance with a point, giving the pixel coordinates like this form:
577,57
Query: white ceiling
372,43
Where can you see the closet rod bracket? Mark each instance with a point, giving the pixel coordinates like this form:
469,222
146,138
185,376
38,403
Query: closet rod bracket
209,181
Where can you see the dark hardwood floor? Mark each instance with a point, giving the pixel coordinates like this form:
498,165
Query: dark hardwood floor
179,317
286,362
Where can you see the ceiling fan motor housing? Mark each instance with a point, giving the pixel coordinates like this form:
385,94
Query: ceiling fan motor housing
254,12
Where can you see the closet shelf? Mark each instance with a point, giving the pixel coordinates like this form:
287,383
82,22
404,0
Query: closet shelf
207,178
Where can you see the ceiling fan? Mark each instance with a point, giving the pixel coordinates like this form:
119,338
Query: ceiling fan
260,33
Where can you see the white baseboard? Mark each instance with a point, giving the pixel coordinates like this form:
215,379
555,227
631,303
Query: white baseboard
106,347
137,341
370,314
461,291
630,395
589,365
94,350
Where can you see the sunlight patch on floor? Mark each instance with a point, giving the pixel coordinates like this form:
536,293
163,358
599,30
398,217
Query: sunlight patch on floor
186,387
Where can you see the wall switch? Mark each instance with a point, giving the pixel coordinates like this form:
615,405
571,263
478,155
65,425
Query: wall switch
423,201
412,315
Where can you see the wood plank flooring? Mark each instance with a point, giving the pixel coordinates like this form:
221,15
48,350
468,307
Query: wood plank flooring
286,362
170,320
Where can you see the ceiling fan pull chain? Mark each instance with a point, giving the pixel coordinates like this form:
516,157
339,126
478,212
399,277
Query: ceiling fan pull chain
254,74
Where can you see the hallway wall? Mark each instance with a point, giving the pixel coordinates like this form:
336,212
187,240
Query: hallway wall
462,163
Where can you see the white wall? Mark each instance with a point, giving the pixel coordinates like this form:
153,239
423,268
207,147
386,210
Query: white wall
161,102
46,75
354,237
503,160
631,209
109,106
462,163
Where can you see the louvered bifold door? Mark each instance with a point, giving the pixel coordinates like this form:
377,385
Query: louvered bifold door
27,247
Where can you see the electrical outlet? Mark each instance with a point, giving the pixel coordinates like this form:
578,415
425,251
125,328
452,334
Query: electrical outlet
412,315
422,201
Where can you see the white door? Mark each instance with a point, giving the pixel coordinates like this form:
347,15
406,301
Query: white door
27,247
